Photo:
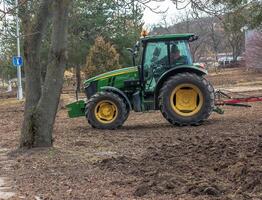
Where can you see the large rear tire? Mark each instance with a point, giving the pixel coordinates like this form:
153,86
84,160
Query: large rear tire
186,99
106,110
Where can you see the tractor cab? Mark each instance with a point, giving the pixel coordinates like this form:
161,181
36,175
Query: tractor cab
161,54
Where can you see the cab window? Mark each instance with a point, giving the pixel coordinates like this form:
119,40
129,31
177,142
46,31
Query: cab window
155,61
180,53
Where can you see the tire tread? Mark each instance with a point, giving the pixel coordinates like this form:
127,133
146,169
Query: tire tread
207,110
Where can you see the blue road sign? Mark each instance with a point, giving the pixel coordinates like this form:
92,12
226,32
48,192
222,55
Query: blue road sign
17,61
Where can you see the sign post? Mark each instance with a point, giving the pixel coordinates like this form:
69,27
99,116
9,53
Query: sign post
19,60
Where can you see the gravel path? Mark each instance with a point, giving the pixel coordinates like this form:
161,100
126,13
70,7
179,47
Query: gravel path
6,184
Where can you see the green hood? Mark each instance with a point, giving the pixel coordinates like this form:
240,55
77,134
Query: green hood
112,73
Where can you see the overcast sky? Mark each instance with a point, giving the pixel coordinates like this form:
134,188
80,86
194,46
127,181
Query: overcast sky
151,18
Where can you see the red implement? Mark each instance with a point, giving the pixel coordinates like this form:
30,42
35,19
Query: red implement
241,100
224,99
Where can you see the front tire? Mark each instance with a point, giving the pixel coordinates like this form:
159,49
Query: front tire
106,110
186,99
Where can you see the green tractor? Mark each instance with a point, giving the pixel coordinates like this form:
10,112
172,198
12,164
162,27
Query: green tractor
166,79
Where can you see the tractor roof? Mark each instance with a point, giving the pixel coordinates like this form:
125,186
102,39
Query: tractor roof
186,36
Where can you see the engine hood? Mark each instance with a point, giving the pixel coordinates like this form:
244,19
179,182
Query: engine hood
111,74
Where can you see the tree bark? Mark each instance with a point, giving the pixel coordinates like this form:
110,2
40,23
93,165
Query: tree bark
32,45
78,78
39,118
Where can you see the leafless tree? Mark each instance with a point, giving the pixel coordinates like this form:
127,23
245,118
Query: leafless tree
215,33
214,8
164,24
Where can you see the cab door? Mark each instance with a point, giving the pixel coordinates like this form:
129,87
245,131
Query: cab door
156,61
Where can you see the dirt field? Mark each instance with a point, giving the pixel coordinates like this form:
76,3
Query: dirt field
147,158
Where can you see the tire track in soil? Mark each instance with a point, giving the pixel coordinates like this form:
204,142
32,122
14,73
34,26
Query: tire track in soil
6,184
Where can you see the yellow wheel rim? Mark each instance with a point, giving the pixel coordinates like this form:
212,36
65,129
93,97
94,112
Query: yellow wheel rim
186,100
106,111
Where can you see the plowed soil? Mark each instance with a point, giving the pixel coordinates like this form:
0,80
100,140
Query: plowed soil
147,158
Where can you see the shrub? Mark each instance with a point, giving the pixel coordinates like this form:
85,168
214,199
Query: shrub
102,57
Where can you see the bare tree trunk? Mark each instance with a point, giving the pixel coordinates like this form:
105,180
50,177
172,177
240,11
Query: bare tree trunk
38,126
47,106
32,46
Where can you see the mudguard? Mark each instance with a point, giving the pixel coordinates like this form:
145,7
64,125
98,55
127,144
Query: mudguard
118,92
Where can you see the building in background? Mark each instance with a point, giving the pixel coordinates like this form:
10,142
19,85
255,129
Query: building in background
253,49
